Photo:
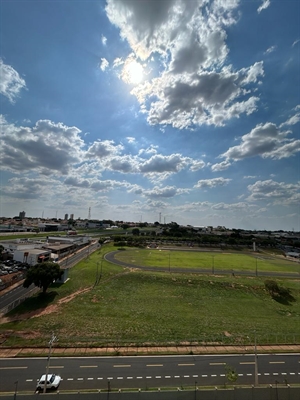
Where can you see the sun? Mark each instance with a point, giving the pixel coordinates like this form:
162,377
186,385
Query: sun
133,72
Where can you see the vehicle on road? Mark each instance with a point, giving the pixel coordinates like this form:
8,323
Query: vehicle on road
53,382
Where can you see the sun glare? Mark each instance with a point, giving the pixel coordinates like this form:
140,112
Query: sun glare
132,72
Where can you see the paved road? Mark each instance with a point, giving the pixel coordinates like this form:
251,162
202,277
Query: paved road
149,372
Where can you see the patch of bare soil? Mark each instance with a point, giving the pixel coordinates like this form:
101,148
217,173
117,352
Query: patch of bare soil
43,311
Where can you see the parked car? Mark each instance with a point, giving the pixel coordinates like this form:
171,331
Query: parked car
53,382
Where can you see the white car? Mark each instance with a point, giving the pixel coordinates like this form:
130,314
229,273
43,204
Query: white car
53,382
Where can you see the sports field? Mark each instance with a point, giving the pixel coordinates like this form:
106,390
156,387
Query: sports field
128,306
214,260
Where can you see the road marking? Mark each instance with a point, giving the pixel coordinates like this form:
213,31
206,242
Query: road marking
283,373
100,379
120,377
266,373
139,377
148,377
292,373
122,366
275,373
251,374
154,365
204,376
167,376
195,376
185,365
177,376
276,362
29,380
240,374
13,367
110,378
222,374
69,379
213,376
88,366
217,363
90,379
247,363
80,379
129,377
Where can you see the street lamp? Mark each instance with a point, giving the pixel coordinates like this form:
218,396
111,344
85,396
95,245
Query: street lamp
51,341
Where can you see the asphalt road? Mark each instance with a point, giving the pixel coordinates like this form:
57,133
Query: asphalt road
148,372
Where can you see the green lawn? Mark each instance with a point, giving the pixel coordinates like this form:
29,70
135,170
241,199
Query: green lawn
132,306
202,259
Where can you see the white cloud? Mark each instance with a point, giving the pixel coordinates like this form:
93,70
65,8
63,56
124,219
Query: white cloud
11,83
220,166
212,183
159,164
104,40
265,140
201,91
295,42
46,148
263,6
276,192
270,49
104,64
197,165
166,192
103,148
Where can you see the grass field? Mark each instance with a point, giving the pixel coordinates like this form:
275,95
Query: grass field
208,260
131,306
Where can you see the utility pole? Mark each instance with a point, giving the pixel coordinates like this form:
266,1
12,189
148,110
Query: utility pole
51,341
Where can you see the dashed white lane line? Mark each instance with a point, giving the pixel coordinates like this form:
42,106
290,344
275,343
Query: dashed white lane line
122,366
266,373
90,379
195,376
204,376
29,380
167,376
185,365
110,378
275,373
249,374
213,376
276,362
129,377
177,376
88,366
100,379
80,379
120,377
217,363
158,377
148,377
139,377
70,379
186,376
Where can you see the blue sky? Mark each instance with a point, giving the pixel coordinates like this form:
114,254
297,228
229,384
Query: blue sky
177,110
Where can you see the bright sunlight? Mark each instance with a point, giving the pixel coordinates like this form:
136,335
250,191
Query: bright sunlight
132,72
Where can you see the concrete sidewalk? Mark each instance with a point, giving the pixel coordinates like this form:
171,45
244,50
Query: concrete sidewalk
139,351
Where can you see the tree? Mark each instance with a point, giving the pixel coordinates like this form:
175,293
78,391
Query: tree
136,231
42,275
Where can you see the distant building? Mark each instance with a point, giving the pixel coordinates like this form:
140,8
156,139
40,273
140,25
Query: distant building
66,216
22,214
71,216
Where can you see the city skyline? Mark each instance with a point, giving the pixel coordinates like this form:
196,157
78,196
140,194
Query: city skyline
122,109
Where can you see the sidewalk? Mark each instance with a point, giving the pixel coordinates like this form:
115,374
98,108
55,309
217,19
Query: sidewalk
139,351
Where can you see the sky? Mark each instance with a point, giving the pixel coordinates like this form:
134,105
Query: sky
181,111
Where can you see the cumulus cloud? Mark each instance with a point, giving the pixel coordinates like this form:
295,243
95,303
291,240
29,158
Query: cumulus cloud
46,148
159,163
103,148
11,83
263,6
220,166
212,183
165,192
201,91
277,192
28,188
103,40
104,64
265,140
